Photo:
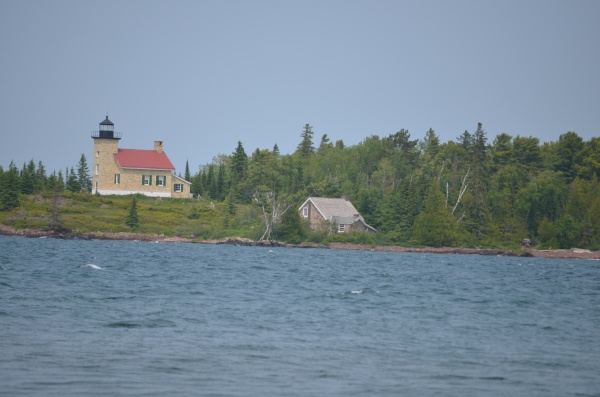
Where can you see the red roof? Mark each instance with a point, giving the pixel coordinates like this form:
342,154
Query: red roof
143,159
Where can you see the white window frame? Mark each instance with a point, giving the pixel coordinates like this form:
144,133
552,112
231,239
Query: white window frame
97,169
161,180
178,187
341,228
146,180
117,179
305,212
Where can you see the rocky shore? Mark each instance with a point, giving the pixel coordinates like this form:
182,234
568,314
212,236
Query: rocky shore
574,253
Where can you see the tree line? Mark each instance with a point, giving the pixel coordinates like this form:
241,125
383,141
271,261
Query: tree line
32,179
470,191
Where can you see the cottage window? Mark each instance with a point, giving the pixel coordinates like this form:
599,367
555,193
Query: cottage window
341,228
305,212
178,187
117,179
147,180
161,180
97,169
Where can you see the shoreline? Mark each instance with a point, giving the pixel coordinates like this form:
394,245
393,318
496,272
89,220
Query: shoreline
574,253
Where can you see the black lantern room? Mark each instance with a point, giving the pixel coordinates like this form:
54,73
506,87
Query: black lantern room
107,130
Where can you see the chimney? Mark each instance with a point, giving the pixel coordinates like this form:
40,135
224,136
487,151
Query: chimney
158,146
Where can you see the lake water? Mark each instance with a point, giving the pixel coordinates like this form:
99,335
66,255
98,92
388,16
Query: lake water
164,319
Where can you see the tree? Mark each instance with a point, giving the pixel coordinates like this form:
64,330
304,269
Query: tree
290,229
132,219
28,178
187,176
239,169
41,180
83,175
569,152
10,188
273,208
306,146
436,226
72,181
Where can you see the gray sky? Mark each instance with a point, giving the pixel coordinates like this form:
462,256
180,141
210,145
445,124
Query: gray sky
201,75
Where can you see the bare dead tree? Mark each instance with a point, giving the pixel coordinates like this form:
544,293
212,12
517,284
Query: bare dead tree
461,192
273,209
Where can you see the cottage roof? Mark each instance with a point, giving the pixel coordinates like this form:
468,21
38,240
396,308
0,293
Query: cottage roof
143,159
338,207
339,210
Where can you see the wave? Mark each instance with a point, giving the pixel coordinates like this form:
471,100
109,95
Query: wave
92,266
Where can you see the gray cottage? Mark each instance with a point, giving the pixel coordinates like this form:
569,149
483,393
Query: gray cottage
321,212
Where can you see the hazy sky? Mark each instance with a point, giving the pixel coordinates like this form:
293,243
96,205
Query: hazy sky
201,75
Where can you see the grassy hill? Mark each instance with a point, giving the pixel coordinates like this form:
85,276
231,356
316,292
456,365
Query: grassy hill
80,213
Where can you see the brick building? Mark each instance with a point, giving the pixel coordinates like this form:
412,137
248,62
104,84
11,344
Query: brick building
131,171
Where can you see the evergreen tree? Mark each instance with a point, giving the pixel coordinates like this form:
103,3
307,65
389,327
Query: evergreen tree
83,175
306,146
10,188
221,182
211,182
73,182
60,181
187,176
276,150
132,219
325,144
290,229
239,170
28,178
41,180
436,226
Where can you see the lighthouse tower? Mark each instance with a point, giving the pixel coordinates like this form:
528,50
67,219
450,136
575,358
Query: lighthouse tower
106,144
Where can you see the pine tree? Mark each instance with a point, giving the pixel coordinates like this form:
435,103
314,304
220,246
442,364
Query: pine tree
239,170
72,181
28,178
132,217
187,171
436,226
41,180
221,182
306,146
83,175
10,188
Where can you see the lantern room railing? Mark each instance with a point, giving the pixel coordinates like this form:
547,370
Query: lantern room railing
106,134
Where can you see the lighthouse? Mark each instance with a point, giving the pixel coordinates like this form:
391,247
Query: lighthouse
106,144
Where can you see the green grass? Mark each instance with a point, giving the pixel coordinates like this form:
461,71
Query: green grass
84,213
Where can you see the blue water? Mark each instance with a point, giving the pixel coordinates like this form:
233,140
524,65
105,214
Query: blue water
165,319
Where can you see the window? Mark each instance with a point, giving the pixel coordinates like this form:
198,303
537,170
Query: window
147,180
117,179
178,187
98,153
341,228
97,169
161,180
305,212
96,185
